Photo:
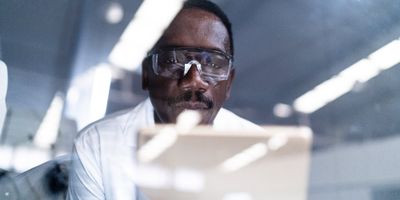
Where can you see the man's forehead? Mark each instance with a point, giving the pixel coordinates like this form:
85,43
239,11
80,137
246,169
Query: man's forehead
196,28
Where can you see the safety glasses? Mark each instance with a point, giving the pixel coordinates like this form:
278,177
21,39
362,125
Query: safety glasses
175,63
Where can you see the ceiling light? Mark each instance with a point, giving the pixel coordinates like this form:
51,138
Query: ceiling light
6,153
148,24
387,56
47,133
100,91
360,72
27,157
322,94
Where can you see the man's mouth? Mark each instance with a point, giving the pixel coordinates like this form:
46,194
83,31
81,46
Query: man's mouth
191,101
192,105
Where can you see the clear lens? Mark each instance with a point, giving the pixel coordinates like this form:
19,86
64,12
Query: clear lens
170,63
167,65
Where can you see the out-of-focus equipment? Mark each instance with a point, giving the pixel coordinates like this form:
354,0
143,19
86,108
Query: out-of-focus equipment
205,163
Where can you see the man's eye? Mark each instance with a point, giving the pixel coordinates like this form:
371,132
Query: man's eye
215,66
171,61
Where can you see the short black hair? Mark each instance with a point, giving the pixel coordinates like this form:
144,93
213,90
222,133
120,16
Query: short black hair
216,10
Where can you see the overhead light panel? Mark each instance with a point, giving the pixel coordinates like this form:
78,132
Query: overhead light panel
47,133
387,56
100,91
340,84
148,24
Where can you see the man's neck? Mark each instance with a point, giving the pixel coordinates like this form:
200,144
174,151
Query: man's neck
157,120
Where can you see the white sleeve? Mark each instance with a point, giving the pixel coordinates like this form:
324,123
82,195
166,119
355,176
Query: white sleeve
85,179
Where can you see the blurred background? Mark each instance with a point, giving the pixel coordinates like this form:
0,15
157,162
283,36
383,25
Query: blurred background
329,65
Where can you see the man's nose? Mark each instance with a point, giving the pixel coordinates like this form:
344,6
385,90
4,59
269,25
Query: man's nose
192,81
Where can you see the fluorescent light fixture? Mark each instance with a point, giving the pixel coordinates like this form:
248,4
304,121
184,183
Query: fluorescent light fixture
148,24
322,94
245,157
100,91
158,144
47,133
360,72
387,56
6,153
88,95
26,157
73,95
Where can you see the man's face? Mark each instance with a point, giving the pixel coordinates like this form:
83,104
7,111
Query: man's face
191,28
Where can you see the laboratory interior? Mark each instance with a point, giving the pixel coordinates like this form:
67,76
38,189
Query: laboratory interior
320,78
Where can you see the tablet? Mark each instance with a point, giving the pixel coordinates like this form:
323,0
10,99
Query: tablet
203,163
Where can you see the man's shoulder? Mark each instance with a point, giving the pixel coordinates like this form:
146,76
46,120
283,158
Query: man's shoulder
116,121
115,124
228,120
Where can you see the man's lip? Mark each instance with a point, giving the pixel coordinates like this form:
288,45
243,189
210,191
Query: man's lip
192,105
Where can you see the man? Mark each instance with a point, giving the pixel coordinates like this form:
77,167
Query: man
190,68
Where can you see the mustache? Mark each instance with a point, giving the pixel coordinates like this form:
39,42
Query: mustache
188,96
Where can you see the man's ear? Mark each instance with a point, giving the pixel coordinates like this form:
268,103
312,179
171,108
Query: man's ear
145,74
229,84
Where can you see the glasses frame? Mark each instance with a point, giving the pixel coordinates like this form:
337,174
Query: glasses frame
154,57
